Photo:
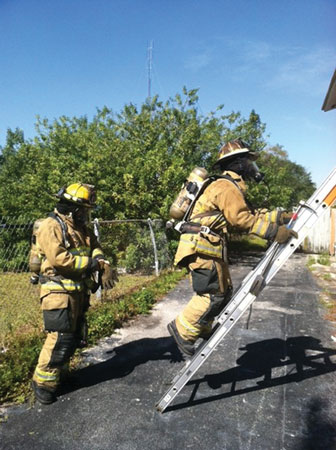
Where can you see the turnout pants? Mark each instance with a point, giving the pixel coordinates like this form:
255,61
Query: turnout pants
211,282
64,322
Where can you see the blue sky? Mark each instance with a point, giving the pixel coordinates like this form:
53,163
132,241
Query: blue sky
70,57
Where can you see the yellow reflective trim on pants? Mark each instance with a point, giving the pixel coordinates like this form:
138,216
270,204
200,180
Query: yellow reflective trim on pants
42,376
187,325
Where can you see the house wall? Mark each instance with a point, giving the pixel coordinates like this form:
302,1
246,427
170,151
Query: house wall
322,238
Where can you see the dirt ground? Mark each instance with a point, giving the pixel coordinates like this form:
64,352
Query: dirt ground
325,276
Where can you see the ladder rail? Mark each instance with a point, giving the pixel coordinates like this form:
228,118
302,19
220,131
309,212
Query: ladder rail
306,216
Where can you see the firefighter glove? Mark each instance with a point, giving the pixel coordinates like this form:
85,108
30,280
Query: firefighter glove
284,234
109,277
285,217
95,264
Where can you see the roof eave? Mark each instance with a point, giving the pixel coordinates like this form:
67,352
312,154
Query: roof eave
330,99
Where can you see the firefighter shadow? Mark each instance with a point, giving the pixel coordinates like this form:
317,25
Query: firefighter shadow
121,361
272,362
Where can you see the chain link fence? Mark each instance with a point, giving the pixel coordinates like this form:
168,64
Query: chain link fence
137,245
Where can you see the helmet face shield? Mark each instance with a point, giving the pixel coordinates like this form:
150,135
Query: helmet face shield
246,168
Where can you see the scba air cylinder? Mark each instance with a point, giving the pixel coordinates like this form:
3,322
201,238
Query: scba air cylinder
187,193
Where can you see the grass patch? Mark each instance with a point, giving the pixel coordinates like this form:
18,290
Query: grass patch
324,260
19,308
327,277
310,262
20,312
16,367
22,344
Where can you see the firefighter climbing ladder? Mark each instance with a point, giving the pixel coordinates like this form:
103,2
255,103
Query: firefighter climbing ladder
302,221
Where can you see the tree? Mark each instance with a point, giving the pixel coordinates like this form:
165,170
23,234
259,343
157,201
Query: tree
287,182
137,159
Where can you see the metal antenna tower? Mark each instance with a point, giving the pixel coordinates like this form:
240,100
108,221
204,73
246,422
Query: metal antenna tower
149,67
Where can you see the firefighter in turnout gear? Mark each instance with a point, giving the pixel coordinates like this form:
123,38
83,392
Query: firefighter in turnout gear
71,259
221,205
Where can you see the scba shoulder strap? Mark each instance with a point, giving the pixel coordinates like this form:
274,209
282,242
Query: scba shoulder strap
64,228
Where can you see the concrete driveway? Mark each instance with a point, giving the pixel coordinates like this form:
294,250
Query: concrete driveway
269,385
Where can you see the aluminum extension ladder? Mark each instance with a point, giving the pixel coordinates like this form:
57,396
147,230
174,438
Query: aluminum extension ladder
302,222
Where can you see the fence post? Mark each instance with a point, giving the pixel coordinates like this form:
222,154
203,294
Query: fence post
154,247
96,232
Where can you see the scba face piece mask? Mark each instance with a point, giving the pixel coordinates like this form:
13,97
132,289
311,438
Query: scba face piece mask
246,168
253,172
82,216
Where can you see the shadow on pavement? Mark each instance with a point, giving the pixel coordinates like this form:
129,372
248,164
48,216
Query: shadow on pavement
300,357
320,430
122,362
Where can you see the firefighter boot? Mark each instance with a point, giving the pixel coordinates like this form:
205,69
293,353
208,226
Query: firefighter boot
43,395
185,346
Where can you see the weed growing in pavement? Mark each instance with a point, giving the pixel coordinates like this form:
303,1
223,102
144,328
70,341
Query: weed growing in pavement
310,262
324,259
327,277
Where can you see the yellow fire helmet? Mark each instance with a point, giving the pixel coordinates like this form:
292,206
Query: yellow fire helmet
79,193
234,148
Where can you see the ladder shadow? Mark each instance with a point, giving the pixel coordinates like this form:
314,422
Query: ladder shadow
121,361
301,358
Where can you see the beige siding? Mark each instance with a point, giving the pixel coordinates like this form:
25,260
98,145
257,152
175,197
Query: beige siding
322,238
